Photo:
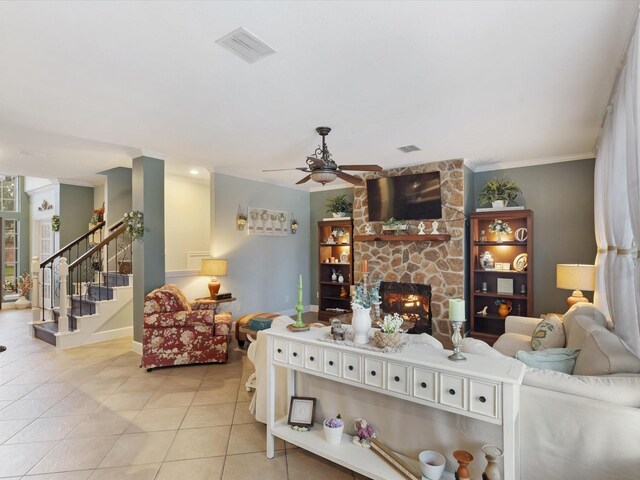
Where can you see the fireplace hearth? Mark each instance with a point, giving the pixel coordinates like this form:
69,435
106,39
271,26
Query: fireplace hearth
412,301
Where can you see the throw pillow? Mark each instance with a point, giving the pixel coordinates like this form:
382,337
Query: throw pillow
558,359
604,353
549,333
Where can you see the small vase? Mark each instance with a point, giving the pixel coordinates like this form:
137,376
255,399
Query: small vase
504,310
493,455
340,279
498,204
22,302
382,340
333,435
499,240
464,459
361,324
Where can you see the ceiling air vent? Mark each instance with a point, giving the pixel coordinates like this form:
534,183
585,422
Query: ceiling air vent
245,45
408,148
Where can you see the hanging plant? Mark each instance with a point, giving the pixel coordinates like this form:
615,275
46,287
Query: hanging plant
134,224
55,223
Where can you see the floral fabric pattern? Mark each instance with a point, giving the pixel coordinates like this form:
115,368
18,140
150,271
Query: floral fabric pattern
176,335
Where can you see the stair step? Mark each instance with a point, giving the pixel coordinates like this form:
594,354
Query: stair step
100,292
73,320
46,332
115,279
82,306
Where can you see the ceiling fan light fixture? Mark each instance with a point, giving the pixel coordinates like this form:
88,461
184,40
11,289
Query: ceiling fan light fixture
323,177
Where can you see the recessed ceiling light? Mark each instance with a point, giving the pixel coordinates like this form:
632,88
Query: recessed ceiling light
408,148
193,171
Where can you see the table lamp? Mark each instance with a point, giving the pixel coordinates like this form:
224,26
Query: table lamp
576,277
213,267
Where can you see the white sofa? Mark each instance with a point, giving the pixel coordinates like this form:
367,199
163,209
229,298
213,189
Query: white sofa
580,426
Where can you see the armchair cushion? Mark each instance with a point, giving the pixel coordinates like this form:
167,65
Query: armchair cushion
205,304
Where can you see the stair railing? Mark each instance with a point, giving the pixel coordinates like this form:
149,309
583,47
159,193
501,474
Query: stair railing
90,273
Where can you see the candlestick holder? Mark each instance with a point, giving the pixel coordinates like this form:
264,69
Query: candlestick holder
365,278
456,338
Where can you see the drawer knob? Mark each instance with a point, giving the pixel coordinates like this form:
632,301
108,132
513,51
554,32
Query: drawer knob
423,385
279,350
373,373
311,358
452,391
295,354
331,363
396,378
482,399
351,367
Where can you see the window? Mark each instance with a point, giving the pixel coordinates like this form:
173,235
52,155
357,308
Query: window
11,266
8,194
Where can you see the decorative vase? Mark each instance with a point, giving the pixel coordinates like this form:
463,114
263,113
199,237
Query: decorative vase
333,435
504,309
361,324
499,240
338,215
340,278
464,459
334,277
498,204
382,339
493,455
22,302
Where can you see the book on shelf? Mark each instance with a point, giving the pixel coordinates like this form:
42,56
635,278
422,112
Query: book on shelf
222,296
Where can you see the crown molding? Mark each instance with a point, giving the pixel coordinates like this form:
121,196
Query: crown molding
143,152
224,171
486,166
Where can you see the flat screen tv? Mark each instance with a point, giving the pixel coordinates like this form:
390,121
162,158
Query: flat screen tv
405,197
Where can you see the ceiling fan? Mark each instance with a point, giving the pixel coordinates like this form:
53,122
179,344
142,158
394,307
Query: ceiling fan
322,169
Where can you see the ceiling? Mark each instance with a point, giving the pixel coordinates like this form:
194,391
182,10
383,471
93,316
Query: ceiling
85,86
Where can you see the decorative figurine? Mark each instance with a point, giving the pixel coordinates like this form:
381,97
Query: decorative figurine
434,228
364,433
421,228
464,459
368,230
483,236
482,312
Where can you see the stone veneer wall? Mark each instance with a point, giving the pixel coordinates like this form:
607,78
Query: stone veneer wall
440,264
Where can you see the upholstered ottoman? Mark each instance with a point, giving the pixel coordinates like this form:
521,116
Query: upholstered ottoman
244,322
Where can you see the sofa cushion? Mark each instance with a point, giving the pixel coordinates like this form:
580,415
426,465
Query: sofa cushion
510,343
558,359
549,333
579,321
478,347
604,353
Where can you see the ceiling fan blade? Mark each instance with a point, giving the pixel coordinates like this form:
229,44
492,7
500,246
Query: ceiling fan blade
349,178
305,179
363,168
304,169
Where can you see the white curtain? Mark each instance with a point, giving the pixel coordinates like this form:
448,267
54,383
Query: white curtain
617,208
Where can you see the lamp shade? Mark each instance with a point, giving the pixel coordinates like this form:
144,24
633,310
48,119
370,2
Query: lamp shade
576,277
213,267
323,177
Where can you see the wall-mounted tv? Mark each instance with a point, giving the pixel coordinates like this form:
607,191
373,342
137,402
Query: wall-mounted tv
405,197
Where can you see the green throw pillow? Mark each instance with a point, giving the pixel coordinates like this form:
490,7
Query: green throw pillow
558,359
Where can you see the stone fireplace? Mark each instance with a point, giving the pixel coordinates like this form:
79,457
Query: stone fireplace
439,264
412,301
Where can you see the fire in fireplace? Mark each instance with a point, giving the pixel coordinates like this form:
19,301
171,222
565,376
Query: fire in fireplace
412,301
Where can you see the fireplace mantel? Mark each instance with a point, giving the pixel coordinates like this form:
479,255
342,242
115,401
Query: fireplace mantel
441,237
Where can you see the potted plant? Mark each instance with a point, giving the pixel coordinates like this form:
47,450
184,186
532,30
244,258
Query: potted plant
499,227
389,334
394,225
333,428
24,287
498,192
339,205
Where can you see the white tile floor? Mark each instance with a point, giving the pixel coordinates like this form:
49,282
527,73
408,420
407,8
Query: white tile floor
91,413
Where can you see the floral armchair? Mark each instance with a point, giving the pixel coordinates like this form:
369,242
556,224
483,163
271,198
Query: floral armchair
179,333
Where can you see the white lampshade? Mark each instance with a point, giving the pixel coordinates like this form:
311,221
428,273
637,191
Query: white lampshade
213,267
323,177
576,277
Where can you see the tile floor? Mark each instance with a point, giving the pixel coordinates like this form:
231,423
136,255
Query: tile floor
91,413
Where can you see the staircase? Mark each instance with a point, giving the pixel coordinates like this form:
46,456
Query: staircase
100,305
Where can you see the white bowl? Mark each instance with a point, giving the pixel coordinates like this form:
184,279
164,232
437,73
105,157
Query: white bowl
431,464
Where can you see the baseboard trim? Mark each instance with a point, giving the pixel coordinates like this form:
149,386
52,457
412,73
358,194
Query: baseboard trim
136,347
110,334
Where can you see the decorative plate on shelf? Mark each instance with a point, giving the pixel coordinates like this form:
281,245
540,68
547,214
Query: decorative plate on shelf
521,234
521,262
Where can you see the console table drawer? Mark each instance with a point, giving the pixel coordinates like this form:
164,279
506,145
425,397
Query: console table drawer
331,362
453,391
484,398
351,367
398,378
296,354
424,384
280,350
312,358
374,372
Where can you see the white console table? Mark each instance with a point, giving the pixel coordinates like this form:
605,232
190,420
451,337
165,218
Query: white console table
483,388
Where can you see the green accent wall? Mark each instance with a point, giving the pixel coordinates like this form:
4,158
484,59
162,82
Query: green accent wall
263,270
561,197
76,208
148,251
318,211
